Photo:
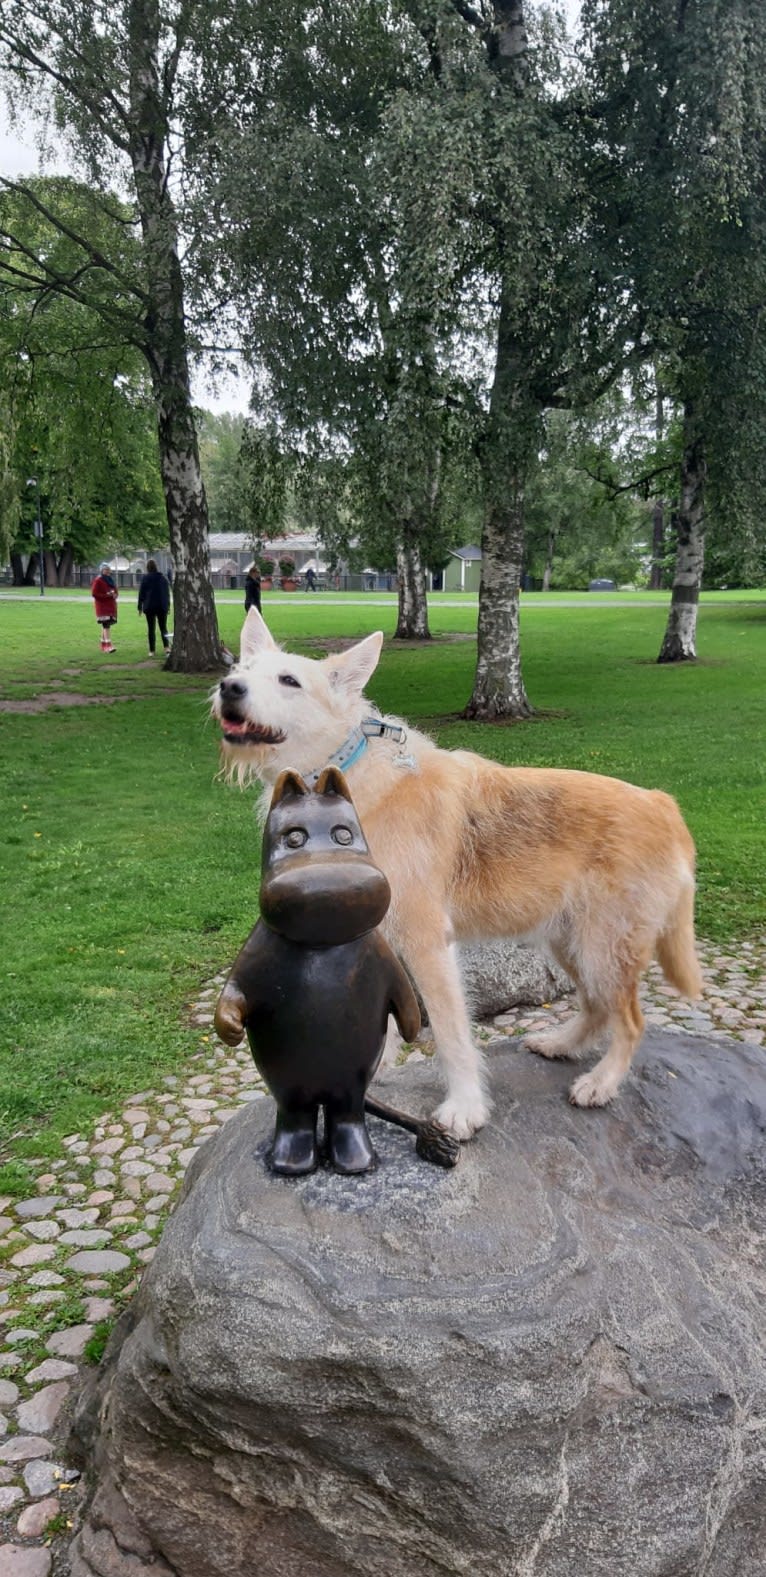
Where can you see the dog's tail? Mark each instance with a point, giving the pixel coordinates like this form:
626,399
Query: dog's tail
675,950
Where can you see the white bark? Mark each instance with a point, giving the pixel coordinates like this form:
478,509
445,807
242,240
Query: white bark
196,643
412,623
680,639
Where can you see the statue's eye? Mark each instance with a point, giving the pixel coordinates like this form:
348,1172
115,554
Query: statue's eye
342,835
296,837
290,679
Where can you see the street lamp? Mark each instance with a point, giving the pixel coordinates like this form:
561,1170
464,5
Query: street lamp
38,529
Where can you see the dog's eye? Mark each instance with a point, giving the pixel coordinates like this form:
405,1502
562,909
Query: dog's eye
296,838
290,679
342,835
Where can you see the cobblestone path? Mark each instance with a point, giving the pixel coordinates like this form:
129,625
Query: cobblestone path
71,1254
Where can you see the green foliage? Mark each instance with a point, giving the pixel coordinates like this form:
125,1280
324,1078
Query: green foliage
9,487
220,441
682,136
57,1524
266,467
95,1346
577,526
82,420
16,1180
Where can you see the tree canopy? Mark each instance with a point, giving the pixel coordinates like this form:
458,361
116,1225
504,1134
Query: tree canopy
80,417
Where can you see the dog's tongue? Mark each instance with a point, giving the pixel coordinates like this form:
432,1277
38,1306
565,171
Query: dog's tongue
234,728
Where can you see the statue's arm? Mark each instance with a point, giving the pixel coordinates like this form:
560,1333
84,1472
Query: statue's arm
239,996
404,1003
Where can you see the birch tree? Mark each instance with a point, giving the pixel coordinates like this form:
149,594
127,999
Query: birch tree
683,129
111,76
515,169
348,333
78,401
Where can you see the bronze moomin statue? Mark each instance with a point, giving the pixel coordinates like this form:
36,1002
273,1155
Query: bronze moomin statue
315,983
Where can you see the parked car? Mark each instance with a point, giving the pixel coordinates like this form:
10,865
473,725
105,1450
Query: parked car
601,585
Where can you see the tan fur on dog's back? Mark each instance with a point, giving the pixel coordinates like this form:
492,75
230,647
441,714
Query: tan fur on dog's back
599,871
522,851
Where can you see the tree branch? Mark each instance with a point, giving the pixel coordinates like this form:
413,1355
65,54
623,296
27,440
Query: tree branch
79,90
97,258
637,484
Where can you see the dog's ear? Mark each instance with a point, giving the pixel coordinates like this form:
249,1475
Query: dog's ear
289,785
256,637
332,781
350,670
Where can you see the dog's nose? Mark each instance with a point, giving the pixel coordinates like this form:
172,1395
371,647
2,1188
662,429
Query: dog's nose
232,689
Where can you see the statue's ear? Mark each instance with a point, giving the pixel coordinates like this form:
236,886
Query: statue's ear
289,785
332,781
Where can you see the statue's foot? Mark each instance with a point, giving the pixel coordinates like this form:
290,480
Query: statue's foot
350,1146
294,1151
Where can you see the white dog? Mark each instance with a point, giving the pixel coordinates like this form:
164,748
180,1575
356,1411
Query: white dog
599,871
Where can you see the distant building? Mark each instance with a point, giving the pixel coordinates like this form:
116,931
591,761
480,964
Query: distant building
463,573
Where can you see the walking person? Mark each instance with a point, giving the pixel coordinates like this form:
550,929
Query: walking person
154,603
104,593
311,579
252,588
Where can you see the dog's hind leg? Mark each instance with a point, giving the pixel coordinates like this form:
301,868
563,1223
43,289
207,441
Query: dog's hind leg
572,1039
436,973
600,1086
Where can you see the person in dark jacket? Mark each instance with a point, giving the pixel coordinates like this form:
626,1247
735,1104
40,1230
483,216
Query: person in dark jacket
252,587
154,602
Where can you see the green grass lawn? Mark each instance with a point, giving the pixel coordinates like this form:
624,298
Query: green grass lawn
130,874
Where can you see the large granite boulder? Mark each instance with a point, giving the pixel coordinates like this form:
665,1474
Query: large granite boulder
550,1362
500,974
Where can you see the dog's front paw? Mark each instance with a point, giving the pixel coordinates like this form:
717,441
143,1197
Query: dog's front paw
593,1089
462,1117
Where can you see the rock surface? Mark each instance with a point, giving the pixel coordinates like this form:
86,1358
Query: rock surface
501,974
549,1361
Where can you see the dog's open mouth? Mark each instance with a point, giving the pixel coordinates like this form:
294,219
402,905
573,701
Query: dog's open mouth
238,732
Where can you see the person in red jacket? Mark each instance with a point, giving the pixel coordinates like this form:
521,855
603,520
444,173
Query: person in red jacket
104,593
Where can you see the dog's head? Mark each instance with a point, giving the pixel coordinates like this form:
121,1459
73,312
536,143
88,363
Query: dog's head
278,711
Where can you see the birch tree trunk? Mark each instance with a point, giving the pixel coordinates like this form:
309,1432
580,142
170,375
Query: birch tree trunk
498,689
196,642
680,640
658,508
505,453
498,684
412,622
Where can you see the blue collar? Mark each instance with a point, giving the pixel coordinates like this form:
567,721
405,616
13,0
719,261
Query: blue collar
356,744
